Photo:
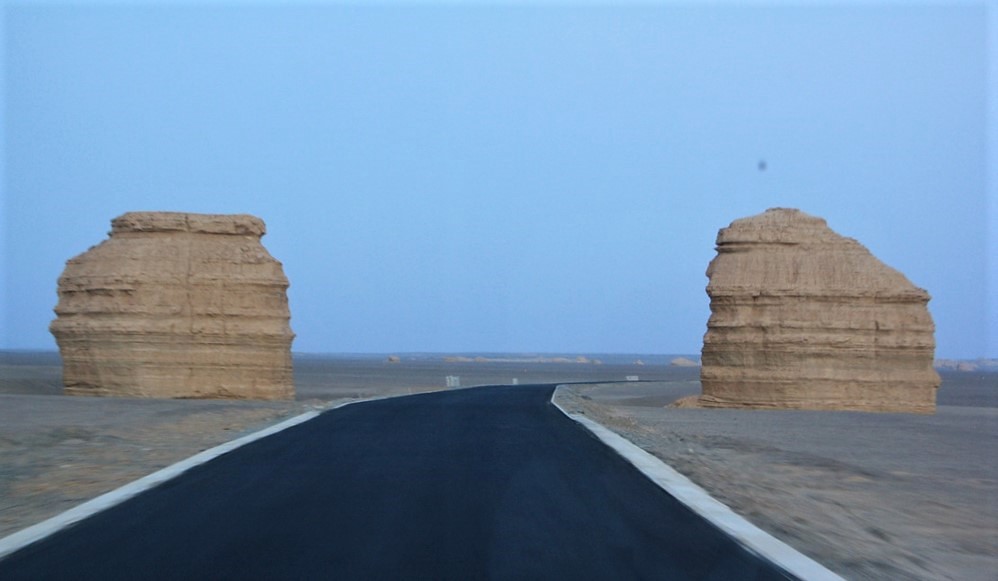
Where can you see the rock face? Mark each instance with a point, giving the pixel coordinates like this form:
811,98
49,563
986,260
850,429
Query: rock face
802,317
176,305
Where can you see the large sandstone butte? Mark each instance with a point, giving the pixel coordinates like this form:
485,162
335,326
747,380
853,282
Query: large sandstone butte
176,305
804,318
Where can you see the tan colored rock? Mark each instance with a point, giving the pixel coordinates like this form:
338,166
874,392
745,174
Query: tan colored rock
802,317
690,401
683,362
176,305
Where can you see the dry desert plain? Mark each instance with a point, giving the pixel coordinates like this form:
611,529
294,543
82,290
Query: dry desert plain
871,496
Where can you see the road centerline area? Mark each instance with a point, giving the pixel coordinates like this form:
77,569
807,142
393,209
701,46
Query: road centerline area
483,483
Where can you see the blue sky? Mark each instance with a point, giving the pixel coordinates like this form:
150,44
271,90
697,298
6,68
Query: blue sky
503,177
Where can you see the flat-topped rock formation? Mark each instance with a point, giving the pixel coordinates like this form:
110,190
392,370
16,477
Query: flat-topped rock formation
804,318
176,305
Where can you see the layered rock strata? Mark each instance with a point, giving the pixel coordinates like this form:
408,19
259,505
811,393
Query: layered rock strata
176,305
802,317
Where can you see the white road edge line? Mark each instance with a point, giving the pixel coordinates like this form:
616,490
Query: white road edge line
697,499
37,532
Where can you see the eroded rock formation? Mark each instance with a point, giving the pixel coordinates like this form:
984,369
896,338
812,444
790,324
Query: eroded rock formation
176,305
802,317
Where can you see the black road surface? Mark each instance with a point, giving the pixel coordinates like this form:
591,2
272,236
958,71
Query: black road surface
484,483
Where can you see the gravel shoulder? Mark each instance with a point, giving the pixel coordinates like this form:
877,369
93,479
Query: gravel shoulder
871,496
54,457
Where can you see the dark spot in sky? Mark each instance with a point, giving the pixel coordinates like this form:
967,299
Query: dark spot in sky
762,165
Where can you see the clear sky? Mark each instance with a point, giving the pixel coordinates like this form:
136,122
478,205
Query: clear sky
503,177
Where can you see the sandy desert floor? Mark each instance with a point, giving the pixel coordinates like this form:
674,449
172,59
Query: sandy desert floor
872,496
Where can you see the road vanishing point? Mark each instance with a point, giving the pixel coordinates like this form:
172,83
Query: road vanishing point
483,483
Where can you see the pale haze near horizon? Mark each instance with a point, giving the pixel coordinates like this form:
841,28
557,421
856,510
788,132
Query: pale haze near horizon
507,177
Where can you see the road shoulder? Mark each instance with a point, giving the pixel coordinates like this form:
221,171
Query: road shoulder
868,495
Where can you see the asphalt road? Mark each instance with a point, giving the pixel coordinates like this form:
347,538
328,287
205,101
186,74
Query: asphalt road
484,483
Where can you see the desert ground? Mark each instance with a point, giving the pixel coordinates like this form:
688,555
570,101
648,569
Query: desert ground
871,496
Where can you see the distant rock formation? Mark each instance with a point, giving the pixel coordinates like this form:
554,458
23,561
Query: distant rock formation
683,362
176,305
802,317
985,365
537,359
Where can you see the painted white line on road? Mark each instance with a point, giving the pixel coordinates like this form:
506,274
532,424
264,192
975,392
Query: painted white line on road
683,489
37,532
